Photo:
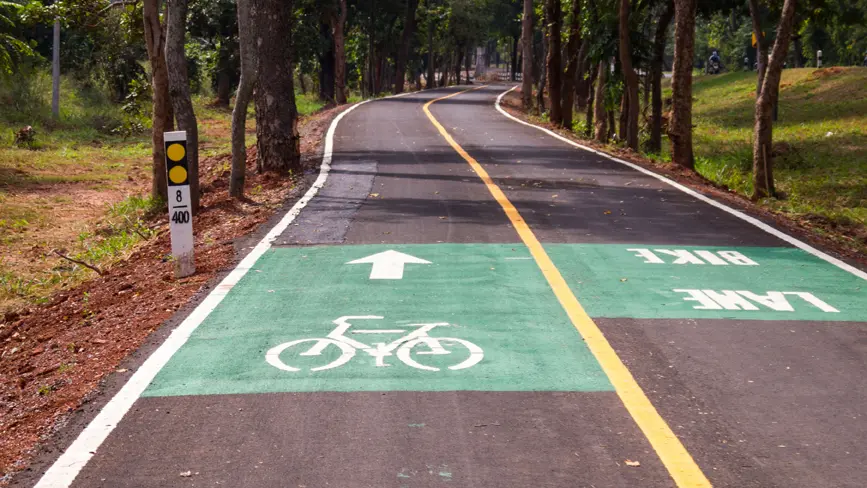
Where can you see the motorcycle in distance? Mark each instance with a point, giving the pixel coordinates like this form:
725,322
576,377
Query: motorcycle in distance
714,68
714,64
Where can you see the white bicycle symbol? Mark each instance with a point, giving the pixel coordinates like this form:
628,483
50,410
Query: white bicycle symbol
378,350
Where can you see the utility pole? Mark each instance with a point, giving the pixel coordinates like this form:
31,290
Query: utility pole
55,68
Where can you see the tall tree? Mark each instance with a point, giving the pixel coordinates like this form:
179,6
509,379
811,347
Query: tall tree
600,114
179,89
591,97
582,76
340,53
631,78
276,113
163,117
326,59
213,25
572,61
242,97
543,65
761,45
656,68
680,127
527,49
403,48
763,163
553,16
431,54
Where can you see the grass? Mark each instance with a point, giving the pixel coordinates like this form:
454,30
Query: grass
307,103
823,123
78,190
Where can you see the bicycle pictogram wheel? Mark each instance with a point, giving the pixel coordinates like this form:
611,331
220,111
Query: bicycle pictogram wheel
272,357
404,352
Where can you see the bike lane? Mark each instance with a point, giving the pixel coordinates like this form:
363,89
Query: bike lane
749,347
401,257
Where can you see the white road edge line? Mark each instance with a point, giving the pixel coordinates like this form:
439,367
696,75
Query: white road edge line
65,469
756,222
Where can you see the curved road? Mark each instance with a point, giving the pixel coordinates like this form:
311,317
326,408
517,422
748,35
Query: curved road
503,309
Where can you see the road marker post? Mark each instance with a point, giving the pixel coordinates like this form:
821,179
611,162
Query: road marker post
180,204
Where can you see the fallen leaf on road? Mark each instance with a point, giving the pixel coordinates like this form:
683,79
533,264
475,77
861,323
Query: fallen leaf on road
634,464
374,195
607,212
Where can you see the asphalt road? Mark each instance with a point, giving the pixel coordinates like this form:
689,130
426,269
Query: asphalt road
544,298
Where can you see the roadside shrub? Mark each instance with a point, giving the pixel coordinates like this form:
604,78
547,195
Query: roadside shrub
23,97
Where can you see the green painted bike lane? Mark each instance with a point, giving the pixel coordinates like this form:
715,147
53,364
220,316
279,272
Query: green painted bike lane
492,297
687,282
479,317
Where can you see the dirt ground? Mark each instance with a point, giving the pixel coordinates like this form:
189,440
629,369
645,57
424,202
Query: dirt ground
53,357
842,241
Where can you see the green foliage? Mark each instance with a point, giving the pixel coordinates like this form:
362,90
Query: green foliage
308,103
12,48
212,43
839,29
135,109
730,35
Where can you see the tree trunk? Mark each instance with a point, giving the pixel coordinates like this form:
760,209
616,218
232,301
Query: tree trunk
276,114
798,51
179,89
601,115
553,15
224,78
326,63
543,68
377,75
527,54
591,96
763,163
403,49
514,74
582,81
631,77
459,55
340,54
623,121
656,69
246,40
371,55
163,117
572,61
680,127
467,61
761,46
431,57
444,71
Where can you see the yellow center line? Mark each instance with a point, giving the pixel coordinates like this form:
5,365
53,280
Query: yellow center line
677,460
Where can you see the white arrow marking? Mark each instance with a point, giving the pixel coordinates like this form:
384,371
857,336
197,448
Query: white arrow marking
388,265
